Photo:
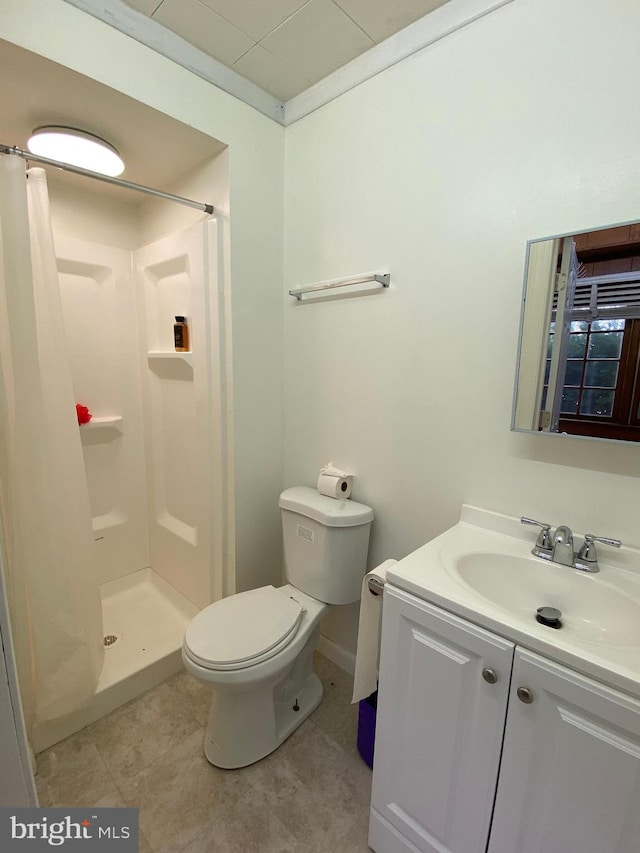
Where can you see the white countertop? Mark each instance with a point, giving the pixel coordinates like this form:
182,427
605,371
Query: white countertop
430,574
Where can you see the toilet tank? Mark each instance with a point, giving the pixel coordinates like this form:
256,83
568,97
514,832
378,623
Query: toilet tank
325,544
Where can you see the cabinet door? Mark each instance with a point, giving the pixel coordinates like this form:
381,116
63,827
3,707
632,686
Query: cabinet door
439,729
570,772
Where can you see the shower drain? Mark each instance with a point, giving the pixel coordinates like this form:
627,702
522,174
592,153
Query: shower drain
110,640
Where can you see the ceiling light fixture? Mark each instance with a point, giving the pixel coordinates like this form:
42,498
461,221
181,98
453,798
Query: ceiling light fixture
76,147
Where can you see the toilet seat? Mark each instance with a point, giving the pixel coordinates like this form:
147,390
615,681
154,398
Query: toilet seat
243,629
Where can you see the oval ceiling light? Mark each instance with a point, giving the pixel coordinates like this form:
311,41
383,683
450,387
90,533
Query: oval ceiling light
76,147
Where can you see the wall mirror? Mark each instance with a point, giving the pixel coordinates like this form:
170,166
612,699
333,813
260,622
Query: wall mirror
578,369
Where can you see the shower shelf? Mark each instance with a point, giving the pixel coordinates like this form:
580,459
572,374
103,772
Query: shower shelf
97,423
176,356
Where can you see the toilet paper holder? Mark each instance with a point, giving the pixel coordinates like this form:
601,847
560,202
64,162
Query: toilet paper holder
376,586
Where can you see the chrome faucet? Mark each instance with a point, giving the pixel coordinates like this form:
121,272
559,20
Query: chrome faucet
562,551
558,546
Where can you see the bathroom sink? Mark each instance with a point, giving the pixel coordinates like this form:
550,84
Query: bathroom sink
482,570
592,609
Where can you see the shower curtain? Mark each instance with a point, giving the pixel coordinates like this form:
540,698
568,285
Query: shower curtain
46,534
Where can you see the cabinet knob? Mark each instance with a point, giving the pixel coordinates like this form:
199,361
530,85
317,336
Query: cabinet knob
525,695
489,675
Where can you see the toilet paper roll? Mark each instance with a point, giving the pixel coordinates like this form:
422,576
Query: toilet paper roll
365,679
335,486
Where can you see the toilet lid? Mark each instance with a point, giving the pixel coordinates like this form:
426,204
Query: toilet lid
243,629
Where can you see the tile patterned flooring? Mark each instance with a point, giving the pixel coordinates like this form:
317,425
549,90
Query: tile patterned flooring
310,796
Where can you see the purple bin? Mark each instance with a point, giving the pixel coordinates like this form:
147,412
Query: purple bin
367,727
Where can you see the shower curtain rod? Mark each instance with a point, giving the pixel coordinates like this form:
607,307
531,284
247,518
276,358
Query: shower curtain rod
118,182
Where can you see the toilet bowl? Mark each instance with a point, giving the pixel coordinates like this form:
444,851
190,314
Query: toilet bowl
257,705
255,648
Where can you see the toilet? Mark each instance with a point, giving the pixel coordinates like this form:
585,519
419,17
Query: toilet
255,648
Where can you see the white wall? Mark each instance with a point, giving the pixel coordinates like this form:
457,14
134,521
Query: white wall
79,213
66,35
13,781
16,781
207,182
522,125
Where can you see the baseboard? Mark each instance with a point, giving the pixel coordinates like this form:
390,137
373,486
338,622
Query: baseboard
341,657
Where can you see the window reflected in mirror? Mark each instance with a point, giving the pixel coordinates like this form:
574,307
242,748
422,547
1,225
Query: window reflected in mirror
578,369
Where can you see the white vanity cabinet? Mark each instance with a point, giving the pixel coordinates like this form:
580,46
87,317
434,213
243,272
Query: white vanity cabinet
567,779
570,773
438,731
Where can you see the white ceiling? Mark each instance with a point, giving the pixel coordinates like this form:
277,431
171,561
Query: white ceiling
285,46
287,58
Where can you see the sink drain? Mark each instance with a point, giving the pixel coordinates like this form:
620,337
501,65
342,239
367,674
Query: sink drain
549,616
110,639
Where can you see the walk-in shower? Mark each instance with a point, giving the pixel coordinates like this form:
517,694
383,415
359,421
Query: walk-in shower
154,453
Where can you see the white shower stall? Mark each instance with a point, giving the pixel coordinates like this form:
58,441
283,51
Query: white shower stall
155,451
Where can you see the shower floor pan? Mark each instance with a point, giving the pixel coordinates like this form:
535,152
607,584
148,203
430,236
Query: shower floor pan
144,620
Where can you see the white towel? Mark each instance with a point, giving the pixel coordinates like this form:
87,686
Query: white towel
365,679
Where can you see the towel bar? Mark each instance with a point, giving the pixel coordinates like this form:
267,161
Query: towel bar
376,586
382,280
